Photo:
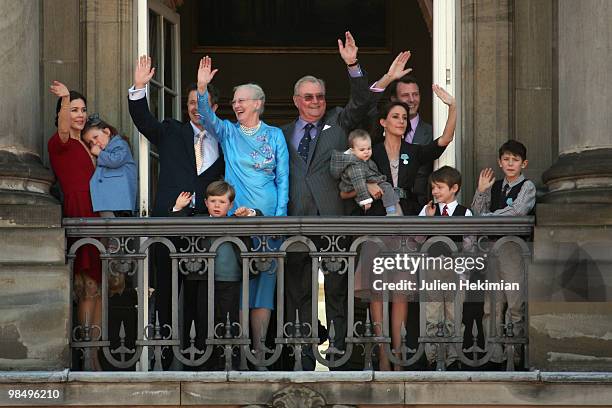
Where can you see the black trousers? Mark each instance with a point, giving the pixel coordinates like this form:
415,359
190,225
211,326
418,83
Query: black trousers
195,307
298,295
195,299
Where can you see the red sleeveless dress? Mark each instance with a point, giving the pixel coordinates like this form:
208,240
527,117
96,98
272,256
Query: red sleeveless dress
73,168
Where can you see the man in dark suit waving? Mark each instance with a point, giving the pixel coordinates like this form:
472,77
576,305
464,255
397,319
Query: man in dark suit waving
189,160
311,138
312,190
177,143
406,90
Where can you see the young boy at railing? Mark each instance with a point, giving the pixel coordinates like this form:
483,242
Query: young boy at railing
443,308
228,265
513,196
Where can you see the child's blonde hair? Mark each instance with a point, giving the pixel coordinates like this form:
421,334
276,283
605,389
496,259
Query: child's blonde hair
358,134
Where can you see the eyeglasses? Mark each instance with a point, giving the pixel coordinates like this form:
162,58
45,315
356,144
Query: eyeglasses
240,101
311,97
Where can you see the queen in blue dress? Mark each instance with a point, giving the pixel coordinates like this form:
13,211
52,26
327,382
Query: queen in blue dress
257,165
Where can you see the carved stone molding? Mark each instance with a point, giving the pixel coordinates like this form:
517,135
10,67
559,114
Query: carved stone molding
295,396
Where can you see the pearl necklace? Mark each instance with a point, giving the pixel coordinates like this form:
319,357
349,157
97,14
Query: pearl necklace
250,131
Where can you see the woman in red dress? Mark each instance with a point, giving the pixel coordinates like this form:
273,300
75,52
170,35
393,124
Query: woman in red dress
73,166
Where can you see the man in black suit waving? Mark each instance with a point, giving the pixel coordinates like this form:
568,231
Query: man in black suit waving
406,90
189,160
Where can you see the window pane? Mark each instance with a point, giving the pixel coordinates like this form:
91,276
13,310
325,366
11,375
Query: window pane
154,46
154,100
169,105
168,56
289,23
153,177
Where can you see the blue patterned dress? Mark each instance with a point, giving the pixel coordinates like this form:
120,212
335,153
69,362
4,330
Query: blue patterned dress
257,166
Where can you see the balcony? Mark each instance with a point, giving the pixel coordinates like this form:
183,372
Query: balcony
137,340
219,367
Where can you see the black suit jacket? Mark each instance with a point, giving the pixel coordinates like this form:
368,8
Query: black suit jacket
416,156
177,170
423,135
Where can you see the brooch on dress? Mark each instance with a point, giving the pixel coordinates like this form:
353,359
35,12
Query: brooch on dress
404,157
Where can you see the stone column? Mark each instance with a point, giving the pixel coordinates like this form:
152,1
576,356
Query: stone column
571,283
583,172
23,179
485,85
34,280
108,60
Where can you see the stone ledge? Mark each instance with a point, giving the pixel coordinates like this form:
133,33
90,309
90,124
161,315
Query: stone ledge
219,388
32,246
301,377
536,376
145,377
573,215
457,376
30,215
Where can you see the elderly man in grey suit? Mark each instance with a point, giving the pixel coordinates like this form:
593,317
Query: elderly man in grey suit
313,191
406,90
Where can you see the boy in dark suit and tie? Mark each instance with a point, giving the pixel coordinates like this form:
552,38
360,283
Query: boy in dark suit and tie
445,306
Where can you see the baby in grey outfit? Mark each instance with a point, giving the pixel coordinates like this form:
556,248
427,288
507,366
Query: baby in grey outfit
355,169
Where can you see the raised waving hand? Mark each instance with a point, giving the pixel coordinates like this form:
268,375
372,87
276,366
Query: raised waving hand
397,69
444,96
143,72
348,50
205,73
486,179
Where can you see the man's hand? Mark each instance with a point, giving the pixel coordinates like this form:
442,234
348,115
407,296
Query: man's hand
95,150
430,209
486,179
182,200
366,207
143,72
396,69
444,96
374,190
348,50
59,89
205,73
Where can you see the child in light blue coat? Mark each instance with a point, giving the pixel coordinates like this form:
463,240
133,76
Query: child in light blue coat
113,184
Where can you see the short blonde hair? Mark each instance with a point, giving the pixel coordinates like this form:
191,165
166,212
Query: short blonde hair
358,134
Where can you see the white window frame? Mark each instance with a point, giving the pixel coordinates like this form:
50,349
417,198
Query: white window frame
445,73
144,151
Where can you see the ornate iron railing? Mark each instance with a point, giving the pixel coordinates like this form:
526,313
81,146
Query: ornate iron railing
333,245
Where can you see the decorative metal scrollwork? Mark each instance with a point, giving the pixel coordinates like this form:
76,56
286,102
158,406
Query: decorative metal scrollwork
193,265
334,264
333,243
194,244
262,264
